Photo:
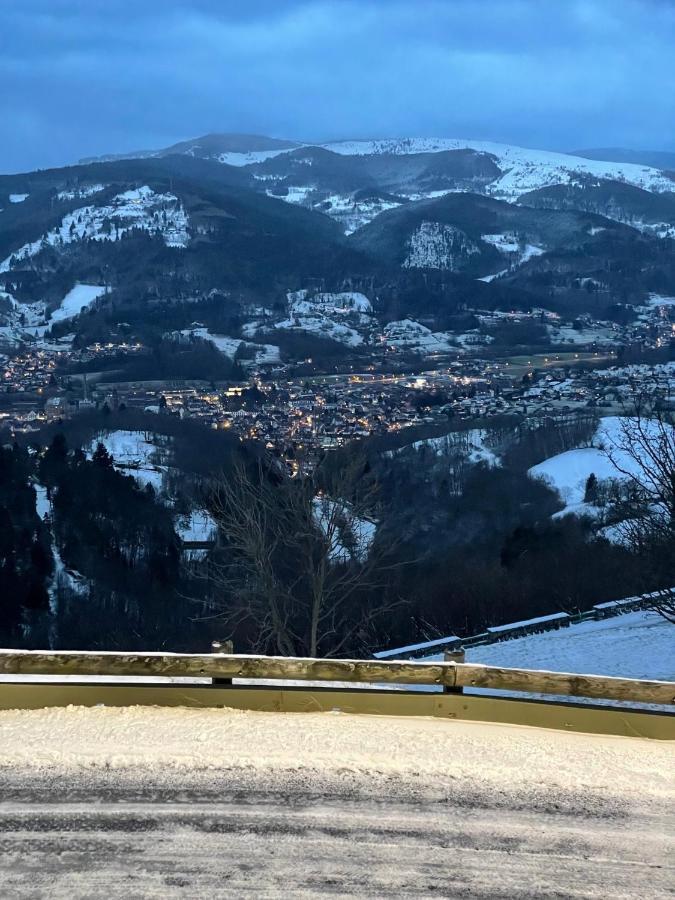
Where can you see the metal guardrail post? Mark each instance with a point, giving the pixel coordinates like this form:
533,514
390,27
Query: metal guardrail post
222,647
456,656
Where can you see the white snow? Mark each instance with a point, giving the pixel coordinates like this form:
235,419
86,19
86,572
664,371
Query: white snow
502,758
128,447
140,208
568,472
634,645
134,454
661,300
409,335
43,506
471,444
197,525
352,214
342,303
81,296
434,245
18,198
264,354
524,623
322,327
523,169
80,192
251,157
228,346
349,536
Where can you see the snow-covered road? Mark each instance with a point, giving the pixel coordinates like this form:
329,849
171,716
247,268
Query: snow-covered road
194,803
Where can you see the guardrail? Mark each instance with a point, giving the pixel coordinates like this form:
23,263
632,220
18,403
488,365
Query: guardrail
448,675
512,630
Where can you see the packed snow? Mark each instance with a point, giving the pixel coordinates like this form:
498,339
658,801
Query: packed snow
169,739
18,198
139,208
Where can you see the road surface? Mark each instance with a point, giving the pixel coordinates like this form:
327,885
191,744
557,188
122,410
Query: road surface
349,806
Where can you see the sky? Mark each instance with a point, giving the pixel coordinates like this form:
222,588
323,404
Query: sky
86,77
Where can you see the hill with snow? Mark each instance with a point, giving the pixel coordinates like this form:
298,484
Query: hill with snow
354,180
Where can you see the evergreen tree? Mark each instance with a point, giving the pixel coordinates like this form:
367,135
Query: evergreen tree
591,491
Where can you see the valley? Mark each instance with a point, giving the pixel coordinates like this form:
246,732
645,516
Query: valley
441,317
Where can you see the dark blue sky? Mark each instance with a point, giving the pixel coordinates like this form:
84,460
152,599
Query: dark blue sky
96,76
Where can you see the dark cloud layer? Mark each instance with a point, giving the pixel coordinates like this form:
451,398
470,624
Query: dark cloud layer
97,76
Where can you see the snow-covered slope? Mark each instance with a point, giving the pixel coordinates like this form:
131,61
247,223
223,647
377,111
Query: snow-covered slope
434,245
81,296
634,645
568,472
140,208
524,169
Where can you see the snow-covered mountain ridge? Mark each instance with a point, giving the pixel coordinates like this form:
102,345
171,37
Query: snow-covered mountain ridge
524,169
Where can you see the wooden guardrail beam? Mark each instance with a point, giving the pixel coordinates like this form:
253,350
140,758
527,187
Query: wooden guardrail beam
218,665
599,687
443,674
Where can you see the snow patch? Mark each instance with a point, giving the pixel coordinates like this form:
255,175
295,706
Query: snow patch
81,296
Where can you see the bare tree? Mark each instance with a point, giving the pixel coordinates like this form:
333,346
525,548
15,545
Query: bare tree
302,566
644,453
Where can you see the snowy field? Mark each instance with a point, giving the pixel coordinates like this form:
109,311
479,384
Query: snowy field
568,472
133,454
263,354
412,336
82,295
635,645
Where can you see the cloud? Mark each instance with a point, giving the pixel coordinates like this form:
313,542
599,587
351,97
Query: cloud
94,77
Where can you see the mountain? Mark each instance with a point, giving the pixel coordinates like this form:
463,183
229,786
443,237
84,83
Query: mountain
463,232
210,146
644,210
332,177
420,227
157,232
659,159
